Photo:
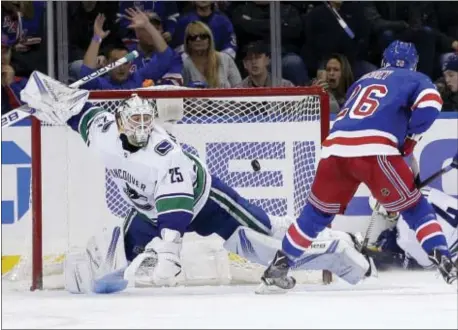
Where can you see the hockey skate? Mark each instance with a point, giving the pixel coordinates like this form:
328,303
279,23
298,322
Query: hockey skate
445,266
275,278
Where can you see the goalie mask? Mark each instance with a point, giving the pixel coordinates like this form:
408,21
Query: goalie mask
135,119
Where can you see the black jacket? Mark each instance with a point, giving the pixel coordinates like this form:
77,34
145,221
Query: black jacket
325,36
257,27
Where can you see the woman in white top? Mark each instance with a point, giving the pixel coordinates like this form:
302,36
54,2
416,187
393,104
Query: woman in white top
204,66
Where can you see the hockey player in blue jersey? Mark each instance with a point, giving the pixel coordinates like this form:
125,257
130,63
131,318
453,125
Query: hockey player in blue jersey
385,114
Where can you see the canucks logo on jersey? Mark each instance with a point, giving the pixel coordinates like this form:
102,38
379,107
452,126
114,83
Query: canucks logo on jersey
136,197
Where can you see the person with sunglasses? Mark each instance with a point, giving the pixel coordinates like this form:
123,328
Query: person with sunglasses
205,66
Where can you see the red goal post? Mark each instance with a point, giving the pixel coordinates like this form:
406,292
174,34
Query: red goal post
218,116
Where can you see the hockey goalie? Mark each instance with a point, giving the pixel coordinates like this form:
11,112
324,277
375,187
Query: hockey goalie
171,193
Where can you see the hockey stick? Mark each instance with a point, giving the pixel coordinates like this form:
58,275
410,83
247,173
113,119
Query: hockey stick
340,20
432,177
418,183
24,111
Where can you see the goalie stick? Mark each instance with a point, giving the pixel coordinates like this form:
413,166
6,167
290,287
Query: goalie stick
24,111
418,183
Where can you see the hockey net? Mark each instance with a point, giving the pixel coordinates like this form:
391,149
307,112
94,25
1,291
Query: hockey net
233,130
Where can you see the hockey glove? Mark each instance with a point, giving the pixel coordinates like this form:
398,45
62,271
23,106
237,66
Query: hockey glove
54,102
455,162
160,263
409,144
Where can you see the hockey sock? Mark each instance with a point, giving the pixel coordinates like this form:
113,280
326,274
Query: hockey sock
422,219
304,230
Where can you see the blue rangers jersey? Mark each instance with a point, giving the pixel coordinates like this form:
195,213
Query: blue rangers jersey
172,77
382,108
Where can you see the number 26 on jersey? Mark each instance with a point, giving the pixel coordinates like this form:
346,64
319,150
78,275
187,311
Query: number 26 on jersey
363,101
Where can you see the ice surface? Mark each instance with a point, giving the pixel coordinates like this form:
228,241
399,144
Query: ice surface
394,300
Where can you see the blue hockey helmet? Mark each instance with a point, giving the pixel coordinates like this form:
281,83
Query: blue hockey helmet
400,54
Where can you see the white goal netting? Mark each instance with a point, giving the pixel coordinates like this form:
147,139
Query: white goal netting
279,129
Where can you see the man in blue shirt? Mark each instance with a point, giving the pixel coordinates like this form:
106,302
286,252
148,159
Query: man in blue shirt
147,53
122,77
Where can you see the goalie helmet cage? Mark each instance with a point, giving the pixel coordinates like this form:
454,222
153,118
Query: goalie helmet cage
266,124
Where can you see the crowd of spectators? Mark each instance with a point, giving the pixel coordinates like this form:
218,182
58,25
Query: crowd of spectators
225,44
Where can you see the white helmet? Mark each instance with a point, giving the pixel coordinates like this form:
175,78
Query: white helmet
136,118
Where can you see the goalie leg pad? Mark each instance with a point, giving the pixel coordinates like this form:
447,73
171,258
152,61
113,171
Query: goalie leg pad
78,274
251,245
337,256
332,250
97,268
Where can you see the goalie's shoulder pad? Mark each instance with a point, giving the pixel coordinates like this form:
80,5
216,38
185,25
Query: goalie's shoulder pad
103,121
98,122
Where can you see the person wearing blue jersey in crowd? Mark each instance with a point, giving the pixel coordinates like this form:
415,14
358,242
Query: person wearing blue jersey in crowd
147,53
448,84
122,77
23,23
12,84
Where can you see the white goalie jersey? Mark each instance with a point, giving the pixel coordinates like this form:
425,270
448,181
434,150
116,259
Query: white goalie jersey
160,180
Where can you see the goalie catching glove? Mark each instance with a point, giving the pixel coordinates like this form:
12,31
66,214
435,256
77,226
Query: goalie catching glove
52,101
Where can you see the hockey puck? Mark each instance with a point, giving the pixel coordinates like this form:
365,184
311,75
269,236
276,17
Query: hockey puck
255,165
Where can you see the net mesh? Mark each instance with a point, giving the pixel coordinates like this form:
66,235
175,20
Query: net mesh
266,147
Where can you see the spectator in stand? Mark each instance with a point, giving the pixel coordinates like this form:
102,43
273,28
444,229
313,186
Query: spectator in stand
11,84
448,84
11,27
422,29
166,10
324,36
221,27
252,22
256,61
204,66
24,22
336,78
447,13
81,30
147,52
121,77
